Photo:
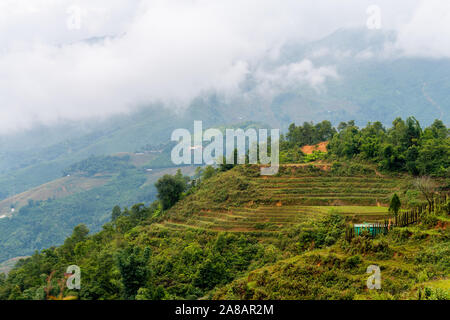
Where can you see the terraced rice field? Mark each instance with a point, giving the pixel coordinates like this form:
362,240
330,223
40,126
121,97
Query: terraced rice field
285,201
263,218
325,191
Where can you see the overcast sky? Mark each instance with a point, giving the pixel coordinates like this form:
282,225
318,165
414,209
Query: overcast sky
173,50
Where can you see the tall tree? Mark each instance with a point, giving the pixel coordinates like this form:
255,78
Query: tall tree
170,189
395,204
132,263
116,212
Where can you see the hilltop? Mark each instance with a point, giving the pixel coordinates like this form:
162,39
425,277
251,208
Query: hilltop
249,202
413,261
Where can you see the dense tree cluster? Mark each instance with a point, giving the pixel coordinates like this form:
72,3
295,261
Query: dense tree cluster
299,136
99,164
170,188
403,147
307,134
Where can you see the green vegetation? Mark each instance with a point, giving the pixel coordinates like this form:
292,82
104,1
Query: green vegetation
395,204
299,136
246,239
308,134
55,189
101,164
170,189
403,148
28,230
43,223
233,234
8,265
339,271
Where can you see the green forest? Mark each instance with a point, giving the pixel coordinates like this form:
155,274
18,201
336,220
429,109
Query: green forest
405,147
100,164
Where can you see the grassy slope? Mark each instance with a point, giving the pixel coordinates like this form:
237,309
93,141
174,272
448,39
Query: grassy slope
271,205
409,259
55,189
247,202
66,186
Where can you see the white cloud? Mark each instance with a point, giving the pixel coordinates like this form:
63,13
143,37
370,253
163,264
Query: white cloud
168,50
293,76
427,34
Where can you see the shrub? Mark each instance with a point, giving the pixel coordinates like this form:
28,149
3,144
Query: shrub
400,234
438,255
434,294
429,221
353,262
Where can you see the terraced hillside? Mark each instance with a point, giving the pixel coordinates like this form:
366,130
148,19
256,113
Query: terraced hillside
269,204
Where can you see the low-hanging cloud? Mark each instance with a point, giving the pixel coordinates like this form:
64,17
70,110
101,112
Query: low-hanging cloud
292,76
168,51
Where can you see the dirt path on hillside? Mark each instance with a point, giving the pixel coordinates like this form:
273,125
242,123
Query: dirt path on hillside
430,100
320,165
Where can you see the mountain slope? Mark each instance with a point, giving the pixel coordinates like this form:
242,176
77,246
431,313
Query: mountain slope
56,189
221,241
45,215
36,162
413,261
